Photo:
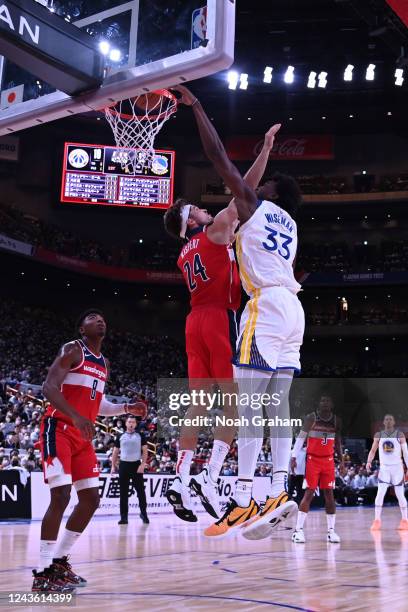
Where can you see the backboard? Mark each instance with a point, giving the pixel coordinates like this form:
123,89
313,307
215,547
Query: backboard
147,45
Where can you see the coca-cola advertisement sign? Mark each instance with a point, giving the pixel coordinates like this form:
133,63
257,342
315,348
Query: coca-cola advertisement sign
293,147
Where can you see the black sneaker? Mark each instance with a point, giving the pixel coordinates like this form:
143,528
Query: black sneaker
48,581
144,518
123,521
178,495
63,568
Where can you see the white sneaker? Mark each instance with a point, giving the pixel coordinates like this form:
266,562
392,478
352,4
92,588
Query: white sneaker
333,537
298,536
178,495
207,490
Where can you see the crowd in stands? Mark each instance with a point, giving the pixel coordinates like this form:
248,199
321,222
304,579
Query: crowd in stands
319,184
357,316
390,256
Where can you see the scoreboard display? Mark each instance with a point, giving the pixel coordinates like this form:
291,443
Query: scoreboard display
97,174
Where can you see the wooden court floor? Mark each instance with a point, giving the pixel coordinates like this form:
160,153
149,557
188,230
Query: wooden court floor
169,565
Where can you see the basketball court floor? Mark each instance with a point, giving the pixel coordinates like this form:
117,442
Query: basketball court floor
169,565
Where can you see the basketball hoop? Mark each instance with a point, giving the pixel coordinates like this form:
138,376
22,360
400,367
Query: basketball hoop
135,124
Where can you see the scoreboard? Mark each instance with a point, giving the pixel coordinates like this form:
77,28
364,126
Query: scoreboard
97,174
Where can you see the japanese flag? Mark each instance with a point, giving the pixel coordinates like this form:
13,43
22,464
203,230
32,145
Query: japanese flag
11,96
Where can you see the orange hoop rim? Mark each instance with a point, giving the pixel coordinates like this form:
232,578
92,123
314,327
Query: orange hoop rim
161,92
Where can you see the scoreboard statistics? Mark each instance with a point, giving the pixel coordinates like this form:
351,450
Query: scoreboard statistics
93,174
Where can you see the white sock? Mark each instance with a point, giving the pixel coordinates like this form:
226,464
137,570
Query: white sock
219,452
243,492
301,517
331,520
184,459
279,482
46,554
66,543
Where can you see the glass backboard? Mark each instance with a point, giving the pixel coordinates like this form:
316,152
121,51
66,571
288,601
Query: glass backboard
147,45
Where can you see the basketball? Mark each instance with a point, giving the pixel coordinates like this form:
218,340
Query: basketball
148,102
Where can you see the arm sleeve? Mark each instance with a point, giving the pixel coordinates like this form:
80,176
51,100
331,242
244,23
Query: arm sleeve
299,443
107,408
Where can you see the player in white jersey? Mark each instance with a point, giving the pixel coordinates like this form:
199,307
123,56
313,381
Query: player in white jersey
271,330
392,447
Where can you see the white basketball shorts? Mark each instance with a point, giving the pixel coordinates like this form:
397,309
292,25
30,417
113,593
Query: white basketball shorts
271,331
391,474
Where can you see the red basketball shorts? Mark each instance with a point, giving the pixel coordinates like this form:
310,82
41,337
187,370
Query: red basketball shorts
67,457
320,472
211,335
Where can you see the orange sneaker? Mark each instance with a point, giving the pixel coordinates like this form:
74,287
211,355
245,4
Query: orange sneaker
275,511
403,526
233,518
376,526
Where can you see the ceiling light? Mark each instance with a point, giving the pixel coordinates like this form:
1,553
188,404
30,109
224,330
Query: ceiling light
268,74
348,73
104,47
322,80
243,81
289,74
232,78
311,83
370,72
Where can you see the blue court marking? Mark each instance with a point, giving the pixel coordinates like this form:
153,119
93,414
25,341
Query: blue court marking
215,562
290,557
360,586
193,596
224,569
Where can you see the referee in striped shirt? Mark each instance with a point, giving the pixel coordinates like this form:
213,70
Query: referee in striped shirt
133,458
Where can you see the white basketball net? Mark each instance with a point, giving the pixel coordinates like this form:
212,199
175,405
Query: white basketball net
135,125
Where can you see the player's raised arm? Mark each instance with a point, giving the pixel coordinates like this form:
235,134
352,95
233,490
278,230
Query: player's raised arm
69,357
226,221
245,196
257,170
373,450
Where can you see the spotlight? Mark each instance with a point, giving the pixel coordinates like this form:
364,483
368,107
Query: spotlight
233,78
370,72
289,74
115,55
104,47
322,80
243,81
268,74
311,83
348,73
399,77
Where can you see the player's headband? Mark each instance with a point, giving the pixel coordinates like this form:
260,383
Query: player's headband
184,214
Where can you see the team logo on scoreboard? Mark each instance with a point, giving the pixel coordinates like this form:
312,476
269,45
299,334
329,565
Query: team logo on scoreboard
160,164
78,158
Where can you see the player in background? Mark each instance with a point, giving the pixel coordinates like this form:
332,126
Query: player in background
322,431
271,329
392,447
208,265
75,388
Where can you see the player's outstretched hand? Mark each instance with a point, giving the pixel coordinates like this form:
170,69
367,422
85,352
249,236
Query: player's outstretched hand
270,135
293,464
368,466
85,426
138,408
187,97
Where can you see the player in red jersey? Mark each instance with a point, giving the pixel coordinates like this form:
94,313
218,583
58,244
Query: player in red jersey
75,388
208,265
322,430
